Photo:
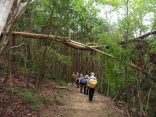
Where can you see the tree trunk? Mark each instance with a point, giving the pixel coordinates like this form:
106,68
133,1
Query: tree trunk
42,70
10,11
5,7
9,62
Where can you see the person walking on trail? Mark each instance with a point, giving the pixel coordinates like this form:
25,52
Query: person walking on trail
77,80
73,78
92,81
85,85
82,82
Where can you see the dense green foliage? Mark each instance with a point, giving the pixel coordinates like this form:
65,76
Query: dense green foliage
122,80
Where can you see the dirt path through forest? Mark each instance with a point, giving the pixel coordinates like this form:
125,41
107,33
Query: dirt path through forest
76,104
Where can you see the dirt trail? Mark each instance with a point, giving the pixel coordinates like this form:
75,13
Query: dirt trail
76,104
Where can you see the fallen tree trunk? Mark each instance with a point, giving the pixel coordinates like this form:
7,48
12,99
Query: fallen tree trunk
146,34
152,32
65,40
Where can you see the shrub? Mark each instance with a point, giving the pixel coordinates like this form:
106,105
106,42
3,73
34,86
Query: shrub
35,101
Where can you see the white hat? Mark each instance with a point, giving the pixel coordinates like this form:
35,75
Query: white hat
92,73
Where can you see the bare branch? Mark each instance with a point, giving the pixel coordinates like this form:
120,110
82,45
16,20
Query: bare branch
146,34
139,37
17,46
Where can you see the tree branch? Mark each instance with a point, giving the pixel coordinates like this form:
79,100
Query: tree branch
139,37
65,40
146,34
17,46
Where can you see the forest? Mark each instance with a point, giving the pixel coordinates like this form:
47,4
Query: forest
42,42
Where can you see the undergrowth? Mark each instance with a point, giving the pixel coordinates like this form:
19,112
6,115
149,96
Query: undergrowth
35,100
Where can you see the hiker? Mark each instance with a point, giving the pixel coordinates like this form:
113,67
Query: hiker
82,82
77,80
92,81
73,78
85,85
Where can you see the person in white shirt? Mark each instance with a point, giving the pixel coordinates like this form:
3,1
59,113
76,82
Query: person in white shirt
91,89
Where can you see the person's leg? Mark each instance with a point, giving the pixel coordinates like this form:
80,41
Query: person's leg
90,94
77,83
84,89
81,87
93,90
73,82
87,91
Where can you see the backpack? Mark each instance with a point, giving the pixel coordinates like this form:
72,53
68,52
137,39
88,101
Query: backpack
83,81
92,83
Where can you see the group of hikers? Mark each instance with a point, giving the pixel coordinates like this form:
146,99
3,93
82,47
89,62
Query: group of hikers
86,83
